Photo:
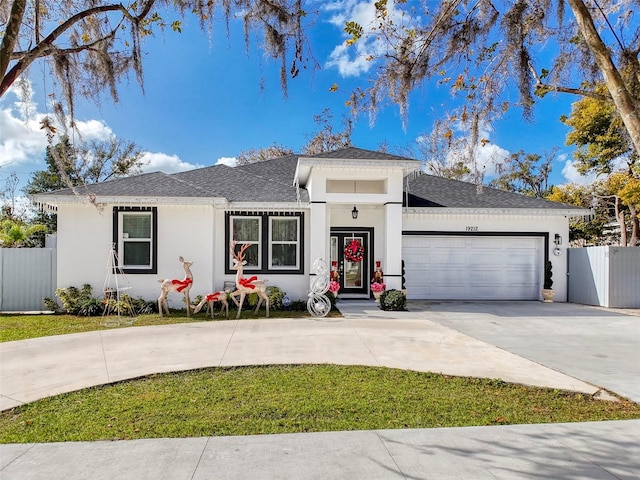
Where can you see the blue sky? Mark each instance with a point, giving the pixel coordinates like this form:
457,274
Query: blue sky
204,103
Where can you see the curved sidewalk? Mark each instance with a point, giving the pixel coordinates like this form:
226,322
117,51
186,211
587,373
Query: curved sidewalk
37,368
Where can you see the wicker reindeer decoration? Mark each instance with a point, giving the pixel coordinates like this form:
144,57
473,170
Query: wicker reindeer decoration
212,298
180,286
249,285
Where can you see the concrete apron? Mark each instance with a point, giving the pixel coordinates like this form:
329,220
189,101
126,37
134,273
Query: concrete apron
37,368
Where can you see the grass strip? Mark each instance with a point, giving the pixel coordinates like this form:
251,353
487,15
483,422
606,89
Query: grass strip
22,327
291,399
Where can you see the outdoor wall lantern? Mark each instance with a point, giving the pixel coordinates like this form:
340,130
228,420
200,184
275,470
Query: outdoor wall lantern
354,212
557,240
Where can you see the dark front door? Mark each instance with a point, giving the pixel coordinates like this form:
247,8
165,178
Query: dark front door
350,250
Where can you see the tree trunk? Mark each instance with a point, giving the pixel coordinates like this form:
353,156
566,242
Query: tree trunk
635,227
11,32
615,84
620,217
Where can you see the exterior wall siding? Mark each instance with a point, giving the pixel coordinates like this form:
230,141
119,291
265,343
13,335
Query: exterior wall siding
27,276
195,232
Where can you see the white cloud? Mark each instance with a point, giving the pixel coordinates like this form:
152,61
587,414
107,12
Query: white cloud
228,161
487,156
571,174
352,60
21,139
23,142
93,130
163,162
20,142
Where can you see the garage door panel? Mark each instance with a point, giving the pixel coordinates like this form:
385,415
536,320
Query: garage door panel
458,268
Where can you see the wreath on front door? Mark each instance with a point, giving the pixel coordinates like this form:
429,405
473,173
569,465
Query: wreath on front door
354,251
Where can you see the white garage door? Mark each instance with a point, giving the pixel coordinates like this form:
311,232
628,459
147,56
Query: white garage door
472,268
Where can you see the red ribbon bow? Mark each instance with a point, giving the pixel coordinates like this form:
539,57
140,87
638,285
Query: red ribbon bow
354,245
182,284
248,282
213,297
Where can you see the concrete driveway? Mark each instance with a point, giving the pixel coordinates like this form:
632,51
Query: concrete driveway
593,344
559,345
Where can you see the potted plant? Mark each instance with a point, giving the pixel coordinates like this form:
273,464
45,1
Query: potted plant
334,287
377,288
547,292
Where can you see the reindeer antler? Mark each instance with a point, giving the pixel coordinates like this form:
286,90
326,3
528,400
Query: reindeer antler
240,255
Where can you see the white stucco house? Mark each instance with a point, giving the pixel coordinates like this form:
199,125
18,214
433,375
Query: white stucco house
439,239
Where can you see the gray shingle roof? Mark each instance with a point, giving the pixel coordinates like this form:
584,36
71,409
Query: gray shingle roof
272,181
155,184
429,191
269,181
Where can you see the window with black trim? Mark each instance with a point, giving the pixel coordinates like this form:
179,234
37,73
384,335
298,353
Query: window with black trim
284,242
276,241
135,238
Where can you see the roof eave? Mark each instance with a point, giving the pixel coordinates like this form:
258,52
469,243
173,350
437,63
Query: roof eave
51,202
571,213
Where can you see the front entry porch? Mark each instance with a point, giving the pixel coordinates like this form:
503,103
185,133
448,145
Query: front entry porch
352,255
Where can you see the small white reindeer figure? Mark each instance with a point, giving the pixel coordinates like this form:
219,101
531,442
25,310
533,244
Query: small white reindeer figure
210,299
249,285
181,286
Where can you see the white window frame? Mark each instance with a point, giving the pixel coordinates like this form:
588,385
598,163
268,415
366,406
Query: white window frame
251,242
281,242
122,240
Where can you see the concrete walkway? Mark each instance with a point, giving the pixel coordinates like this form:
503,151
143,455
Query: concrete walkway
421,339
578,451
36,368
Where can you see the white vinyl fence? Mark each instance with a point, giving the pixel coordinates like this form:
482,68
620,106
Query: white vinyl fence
605,276
27,276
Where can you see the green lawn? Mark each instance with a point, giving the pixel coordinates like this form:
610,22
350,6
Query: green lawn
289,399
21,327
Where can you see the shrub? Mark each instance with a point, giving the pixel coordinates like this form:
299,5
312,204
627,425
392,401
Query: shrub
275,297
142,306
50,304
91,308
393,300
548,276
298,306
73,298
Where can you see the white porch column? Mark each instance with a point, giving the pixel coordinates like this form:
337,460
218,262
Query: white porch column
318,234
392,266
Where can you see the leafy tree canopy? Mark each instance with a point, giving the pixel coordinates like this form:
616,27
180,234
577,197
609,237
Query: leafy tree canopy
483,50
92,44
598,132
15,233
585,231
93,162
255,155
525,173
326,138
